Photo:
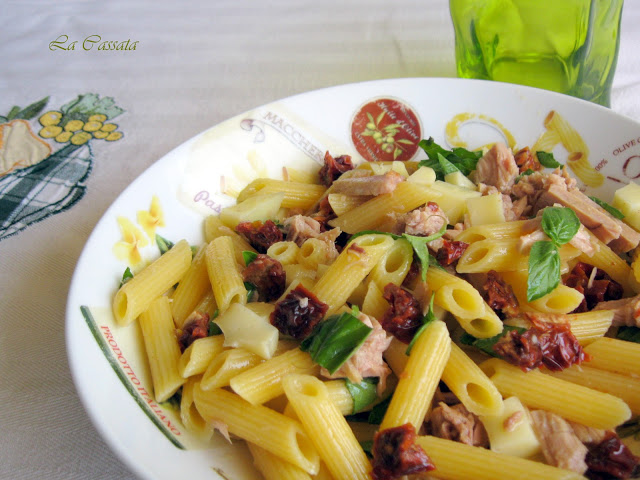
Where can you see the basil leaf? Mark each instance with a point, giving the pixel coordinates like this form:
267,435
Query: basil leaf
214,329
248,257
486,344
609,208
630,428
367,447
560,224
544,270
334,340
126,276
163,244
252,290
629,334
526,173
547,159
378,412
419,245
446,166
363,393
460,158
426,320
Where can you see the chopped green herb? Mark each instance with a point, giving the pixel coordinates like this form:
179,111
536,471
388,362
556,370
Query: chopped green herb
446,166
486,344
426,320
544,270
547,159
367,446
461,159
630,428
378,411
248,257
163,244
526,173
355,311
629,334
560,223
251,290
609,208
335,339
214,329
126,276
363,393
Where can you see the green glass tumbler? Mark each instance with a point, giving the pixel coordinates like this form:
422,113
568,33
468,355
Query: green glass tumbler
568,46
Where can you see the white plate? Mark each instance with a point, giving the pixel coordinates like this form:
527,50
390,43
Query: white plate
106,363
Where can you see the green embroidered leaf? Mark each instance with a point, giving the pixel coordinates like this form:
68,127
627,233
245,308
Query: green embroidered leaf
363,394
560,223
609,208
544,270
32,110
13,112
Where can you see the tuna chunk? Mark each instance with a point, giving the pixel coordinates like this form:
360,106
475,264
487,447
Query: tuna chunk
587,434
497,167
458,424
626,311
560,446
371,185
299,228
580,240
425,221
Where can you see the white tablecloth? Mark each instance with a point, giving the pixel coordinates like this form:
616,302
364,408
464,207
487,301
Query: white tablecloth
194,65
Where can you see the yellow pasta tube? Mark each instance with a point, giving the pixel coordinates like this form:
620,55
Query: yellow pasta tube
350,268
259,425
537,390
622,386
285,252
458,461
300,273
226,279
470,384
615,355
374,303
135,296
341,203
163,351
455,294
214,228
496,231
264,382
273,467
589,326
314,252
561,300
327,428
420,377
189,415
396,357
197,356
226,365
487,325
394,264
207,304
193,286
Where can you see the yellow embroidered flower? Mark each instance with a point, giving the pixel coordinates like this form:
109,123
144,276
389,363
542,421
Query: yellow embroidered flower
132,241
152,219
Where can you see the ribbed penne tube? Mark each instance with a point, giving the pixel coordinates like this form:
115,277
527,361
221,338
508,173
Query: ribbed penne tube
486,325
314,252
135,296
458,461
259,425
537,390
496,231
341,203
193,286
615,355
296,194
396,356
327,428
264,382
273,467
374,303
197,356
226,280
470,384
340,396
370,214
622,386
300,176
587,326
350,268
285,252
455,294
418,382
394,264
189,414
560,300
161,345
299,272
226,365
214,228
207,304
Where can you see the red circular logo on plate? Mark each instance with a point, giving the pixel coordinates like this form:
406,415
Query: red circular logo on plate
386,129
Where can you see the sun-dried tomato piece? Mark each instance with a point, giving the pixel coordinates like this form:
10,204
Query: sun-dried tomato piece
298,312
519,349
195,327
611,459
267,275
395,454
404,316
500,296
334,167
260,235
450,252
526,160
600,288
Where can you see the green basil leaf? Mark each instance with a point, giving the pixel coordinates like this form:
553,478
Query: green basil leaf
486,344
629,334
630,428
251,289
609,208
426,320
363,393
334,340
163,244
248,257
460,158
126,276
544,270
214,329
419,245
378,411
547,159
560,224
367,447
446,166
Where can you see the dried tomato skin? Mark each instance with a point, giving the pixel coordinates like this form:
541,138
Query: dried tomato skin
334,167
450,252
611,459
603,287
560,348
404,316
519,350
295,316
260,235
268,276
194,328
500,295
395,454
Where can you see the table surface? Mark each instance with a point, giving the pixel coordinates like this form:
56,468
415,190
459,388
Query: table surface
193,66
